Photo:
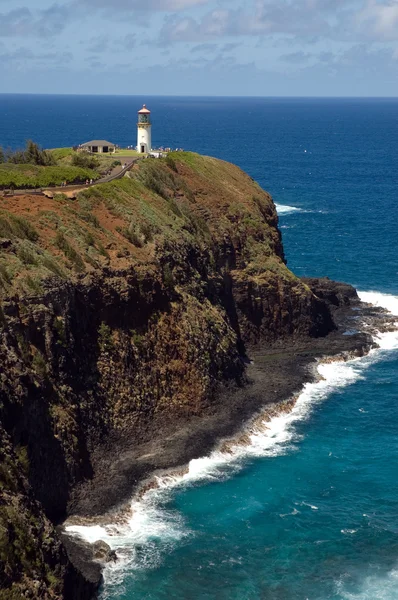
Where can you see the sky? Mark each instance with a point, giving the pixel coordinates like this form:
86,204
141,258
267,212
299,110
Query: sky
200,47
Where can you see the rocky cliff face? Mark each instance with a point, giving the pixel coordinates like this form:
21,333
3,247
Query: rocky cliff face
123,309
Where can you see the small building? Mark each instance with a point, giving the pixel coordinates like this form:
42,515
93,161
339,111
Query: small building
98,147
144,134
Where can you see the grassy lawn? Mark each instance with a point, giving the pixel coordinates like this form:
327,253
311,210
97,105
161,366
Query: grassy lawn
126,152
59,153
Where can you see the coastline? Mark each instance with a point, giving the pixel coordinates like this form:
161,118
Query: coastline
276,378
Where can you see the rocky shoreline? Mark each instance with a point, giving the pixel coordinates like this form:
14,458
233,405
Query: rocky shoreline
139,326
273,376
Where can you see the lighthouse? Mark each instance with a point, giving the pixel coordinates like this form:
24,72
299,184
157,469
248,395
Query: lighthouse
144,142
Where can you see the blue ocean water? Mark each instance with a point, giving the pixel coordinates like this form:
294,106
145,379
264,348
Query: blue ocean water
309,511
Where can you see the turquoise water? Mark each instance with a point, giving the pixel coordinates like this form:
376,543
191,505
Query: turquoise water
309,510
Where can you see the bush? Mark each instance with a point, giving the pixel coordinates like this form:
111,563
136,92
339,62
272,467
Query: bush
90,218
105,337
5,278
22,176
168,277
50,264
171,163
85,160
15,226
26,255
39,364
132,234
62,243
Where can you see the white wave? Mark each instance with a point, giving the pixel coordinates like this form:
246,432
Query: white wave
349,531
141,540
371,587
284,209
386,301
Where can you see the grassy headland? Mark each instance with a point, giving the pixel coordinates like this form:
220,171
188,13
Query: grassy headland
122,314
34,167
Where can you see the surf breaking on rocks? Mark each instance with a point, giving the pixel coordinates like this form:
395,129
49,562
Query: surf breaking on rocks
143,533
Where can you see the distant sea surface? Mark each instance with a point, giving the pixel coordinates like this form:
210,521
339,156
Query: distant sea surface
309,511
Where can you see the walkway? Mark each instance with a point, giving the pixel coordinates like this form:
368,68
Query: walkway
75,188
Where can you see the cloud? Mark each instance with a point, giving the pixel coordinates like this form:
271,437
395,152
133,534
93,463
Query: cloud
144,5
264,17
98,44
378,20
296,57
21,22
312,20
24,57
128,42
204,48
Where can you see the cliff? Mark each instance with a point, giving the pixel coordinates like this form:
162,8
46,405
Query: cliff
124,313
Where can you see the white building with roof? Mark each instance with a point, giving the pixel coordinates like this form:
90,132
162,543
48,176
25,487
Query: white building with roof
98,146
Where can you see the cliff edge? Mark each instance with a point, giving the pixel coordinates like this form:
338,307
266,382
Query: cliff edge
125,314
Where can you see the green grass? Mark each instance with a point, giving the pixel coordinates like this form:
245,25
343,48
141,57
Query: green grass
59,153
32,176
16,226
126,152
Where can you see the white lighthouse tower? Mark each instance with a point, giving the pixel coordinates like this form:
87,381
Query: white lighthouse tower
144,135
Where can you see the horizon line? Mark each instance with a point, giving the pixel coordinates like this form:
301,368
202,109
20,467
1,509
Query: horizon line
285,97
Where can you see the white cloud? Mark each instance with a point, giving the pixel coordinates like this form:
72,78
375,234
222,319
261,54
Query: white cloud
379,21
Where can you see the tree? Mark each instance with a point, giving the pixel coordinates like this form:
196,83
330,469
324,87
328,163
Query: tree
33,155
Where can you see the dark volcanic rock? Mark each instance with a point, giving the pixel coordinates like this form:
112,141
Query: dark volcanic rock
124,360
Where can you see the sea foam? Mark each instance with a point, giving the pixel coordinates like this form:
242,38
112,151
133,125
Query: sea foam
149,530
284,209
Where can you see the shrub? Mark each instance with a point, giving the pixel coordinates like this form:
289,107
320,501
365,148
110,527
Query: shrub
85,160
168,277
102,250
26,255
60,197
59,327
171,163
4,275
89,238
16,226
23,228
132,234
51,265
90,218
148,230
105,337
39,364
33,284
62,243
137,339
22,176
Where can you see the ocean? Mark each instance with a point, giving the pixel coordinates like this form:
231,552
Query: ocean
309,509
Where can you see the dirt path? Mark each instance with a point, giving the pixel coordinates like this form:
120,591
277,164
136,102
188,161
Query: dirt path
72,190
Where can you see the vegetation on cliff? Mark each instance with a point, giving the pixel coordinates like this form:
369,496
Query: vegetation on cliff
33,167
130,305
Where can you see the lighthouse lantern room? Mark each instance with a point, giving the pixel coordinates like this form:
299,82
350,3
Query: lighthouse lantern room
144,142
